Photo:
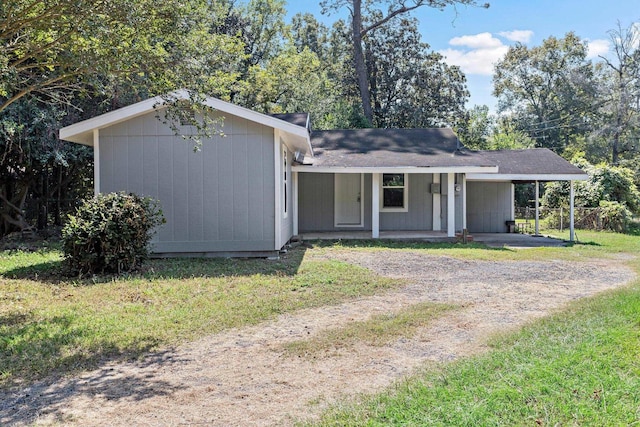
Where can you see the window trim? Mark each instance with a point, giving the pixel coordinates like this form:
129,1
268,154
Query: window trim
405,187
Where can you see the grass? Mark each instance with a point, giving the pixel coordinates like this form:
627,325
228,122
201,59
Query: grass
52,326
378,330
578,367
589,245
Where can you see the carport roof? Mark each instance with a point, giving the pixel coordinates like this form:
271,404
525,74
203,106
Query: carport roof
533,164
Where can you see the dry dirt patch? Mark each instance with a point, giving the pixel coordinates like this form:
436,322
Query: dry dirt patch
242,377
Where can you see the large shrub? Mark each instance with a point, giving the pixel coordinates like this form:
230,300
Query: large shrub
110,233
605,183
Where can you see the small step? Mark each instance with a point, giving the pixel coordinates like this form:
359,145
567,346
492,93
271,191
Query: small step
460,237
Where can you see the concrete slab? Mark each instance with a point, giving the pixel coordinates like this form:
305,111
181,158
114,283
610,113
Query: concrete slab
496,240
516,240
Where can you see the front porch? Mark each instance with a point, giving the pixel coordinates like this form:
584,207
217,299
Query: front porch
427,236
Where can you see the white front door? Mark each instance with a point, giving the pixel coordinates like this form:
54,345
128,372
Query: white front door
348,200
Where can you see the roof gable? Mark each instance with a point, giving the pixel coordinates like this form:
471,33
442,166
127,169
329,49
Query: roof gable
82,132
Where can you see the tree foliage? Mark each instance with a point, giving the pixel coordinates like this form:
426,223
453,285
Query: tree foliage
369,16
605,184
619,112
547,90
411,86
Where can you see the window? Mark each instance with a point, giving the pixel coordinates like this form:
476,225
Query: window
394,192
285,181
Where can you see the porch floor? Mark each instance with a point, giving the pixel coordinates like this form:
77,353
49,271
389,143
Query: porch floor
510,240
429,236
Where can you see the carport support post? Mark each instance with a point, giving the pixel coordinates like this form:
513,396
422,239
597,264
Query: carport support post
294,190
375,205
572,233
537,209
451,205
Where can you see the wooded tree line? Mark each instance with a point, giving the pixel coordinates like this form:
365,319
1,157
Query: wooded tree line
62,61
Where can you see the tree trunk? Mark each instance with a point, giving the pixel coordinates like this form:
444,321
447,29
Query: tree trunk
358,58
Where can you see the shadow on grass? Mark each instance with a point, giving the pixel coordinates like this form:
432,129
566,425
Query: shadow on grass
168,268
47,399
579,243
48,271
32,347
36,353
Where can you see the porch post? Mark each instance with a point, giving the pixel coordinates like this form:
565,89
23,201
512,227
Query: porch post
375,205
513,202
464,201
537,208
451,205
294,190
572,233
437,224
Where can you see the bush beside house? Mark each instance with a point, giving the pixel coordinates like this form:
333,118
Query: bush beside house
110,233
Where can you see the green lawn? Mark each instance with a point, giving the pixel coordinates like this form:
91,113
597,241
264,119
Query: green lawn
578,367
48,325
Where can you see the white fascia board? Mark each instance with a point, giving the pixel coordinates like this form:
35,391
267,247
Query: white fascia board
440,169
524,177
82,132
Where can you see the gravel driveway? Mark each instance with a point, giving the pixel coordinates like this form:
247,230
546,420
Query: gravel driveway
242,377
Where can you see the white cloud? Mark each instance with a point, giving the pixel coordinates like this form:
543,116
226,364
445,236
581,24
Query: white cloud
598,47
522,36
476,41
477,53
478,61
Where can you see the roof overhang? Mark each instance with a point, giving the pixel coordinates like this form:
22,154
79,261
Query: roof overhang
397,169
526,177
82,132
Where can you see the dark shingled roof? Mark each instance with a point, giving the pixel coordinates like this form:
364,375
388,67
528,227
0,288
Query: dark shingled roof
533,161
298,119
435,147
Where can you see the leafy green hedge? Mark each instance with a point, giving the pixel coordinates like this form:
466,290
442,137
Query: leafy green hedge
110,233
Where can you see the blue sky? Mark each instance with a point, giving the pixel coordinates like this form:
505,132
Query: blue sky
475,38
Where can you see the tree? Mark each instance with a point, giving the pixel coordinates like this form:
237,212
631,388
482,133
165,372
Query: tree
475,128
64,61
548,90
362,25
36,167
50,49
409,85
620,89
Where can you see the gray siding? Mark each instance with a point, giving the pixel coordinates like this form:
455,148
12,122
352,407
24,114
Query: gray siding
317,204
219,199
420,213
488,206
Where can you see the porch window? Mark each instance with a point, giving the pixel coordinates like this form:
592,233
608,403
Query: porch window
394,192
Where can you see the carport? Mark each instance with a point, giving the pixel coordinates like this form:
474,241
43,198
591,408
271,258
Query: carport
530,166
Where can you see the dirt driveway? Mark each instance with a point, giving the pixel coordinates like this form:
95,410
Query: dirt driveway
242,377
